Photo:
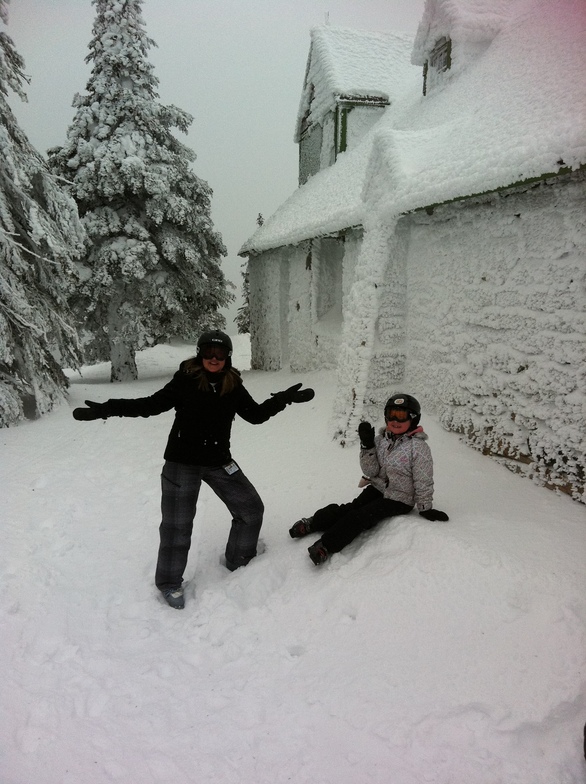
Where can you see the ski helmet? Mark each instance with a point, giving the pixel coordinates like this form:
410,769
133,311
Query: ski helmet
407,403
215,338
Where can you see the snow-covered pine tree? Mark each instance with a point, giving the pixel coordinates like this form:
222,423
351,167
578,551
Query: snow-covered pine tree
40,234
152,266
242,319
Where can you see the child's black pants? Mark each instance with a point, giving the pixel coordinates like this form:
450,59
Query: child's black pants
341,523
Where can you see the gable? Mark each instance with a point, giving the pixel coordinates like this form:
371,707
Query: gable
352,66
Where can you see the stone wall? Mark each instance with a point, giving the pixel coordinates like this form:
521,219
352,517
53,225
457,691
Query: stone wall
265,309
482,317
296,302
496,325
387,367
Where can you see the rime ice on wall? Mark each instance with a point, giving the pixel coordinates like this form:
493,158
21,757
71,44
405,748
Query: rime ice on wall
511,112
265,312
387,365
359,334
301,346
298,299
497,327
327,295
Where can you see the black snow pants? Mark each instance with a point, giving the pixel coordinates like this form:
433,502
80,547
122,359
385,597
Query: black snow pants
341,523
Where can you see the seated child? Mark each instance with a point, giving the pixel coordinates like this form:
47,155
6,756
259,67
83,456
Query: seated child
397,472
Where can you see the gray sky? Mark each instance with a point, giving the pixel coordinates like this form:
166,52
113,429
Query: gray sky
236,65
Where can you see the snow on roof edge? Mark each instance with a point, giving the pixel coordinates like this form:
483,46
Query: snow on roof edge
328,202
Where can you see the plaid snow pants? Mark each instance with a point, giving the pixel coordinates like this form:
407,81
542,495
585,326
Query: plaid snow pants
180,486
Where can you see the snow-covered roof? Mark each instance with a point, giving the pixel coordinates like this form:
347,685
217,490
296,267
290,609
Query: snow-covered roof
517,111
352,63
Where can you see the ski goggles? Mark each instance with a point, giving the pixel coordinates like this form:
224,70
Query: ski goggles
397,415
215,352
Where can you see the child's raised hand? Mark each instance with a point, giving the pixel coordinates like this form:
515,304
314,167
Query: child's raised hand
366,435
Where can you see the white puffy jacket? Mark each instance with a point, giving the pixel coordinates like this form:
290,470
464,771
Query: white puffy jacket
401,468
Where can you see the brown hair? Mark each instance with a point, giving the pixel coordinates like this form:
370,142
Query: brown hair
230,377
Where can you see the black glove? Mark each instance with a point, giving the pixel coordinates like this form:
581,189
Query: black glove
434,514
294,395
94,411
366,433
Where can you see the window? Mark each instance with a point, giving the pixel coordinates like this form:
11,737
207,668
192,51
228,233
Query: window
440,60
441,55
306,119
342,128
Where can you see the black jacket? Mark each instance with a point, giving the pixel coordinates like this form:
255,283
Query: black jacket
203,419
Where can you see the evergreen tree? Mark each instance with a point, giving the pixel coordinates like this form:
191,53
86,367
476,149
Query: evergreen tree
152,266
243,315
40,235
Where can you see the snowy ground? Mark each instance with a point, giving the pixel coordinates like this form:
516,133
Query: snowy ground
424,653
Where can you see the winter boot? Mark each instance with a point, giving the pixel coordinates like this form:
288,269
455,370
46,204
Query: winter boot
318,553
300,528
174,597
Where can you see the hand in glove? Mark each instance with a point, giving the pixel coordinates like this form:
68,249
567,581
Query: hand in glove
94,411
366,434
434,514
294,395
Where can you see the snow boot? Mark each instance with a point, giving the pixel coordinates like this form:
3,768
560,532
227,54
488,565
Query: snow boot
300,528
174,597
318,553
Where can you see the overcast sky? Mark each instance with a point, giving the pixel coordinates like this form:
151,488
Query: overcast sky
236,65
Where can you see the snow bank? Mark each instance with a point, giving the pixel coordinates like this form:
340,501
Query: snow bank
424,652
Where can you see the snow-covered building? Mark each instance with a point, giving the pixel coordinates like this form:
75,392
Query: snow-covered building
437,241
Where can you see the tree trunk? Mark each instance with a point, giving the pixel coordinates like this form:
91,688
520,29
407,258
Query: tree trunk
123,362
122,355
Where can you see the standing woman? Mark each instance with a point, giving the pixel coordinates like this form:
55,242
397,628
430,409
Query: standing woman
206,393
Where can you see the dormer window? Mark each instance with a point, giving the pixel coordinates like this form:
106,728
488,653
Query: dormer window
440,59
441,55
